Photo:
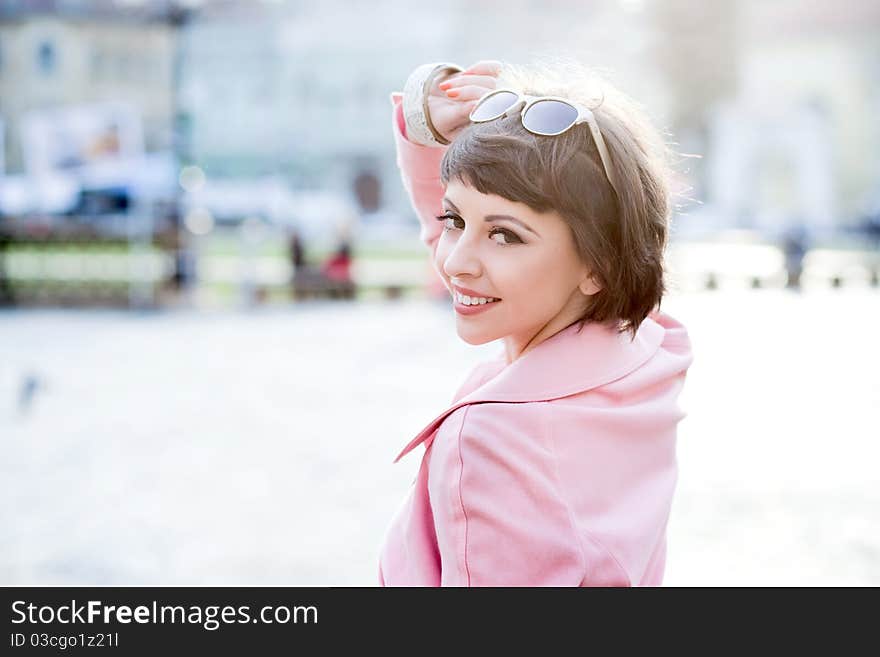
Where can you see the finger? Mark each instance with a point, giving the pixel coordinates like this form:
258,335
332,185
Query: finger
467,92
460,80
463,115
465,110
485,67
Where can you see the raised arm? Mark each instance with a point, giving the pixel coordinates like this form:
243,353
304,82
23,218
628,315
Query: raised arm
420,173
449,102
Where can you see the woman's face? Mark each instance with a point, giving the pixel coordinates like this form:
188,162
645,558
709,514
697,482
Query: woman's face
499,249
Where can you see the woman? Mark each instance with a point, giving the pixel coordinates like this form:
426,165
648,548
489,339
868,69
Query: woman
555,464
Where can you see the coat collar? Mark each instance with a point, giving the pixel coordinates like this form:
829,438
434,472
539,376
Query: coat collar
565,364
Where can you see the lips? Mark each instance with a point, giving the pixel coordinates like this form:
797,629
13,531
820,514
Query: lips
469,308
473,293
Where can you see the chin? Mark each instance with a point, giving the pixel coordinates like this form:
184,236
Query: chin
473,337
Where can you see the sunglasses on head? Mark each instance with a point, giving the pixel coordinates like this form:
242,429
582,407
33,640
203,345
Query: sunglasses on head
542,115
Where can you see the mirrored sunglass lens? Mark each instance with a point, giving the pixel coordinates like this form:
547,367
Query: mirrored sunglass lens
549,116
494,106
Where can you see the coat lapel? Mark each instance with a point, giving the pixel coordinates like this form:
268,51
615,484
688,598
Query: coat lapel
565,364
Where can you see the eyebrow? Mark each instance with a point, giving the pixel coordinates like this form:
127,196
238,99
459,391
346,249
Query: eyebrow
495,217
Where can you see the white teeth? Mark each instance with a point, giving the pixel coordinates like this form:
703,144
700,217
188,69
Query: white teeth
474,301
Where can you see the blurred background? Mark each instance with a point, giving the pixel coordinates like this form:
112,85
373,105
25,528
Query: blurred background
213,292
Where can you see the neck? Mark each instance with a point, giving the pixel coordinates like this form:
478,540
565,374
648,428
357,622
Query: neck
516,346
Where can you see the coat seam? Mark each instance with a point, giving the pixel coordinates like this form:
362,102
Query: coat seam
467,571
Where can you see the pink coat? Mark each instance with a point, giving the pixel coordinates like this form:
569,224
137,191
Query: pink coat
556,470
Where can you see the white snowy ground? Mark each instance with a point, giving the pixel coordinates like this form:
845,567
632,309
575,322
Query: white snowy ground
256,448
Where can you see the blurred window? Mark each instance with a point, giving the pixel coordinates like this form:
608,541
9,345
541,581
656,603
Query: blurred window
46,58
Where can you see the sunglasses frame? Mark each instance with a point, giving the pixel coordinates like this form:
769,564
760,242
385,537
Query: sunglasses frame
584,115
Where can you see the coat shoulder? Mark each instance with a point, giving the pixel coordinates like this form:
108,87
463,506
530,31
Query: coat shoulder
495,421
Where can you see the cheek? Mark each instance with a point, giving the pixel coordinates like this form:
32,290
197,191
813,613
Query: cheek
526,281
532,283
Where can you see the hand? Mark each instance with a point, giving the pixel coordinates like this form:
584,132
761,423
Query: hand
451,103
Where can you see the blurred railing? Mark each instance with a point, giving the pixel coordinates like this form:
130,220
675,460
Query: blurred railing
113,272
711,265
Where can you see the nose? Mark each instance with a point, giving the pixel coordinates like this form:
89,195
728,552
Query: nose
463,260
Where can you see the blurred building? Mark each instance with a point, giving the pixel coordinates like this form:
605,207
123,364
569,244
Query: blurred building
301,90
778,98
304,87
59,54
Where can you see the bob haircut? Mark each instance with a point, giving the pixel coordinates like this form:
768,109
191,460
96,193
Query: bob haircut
622,237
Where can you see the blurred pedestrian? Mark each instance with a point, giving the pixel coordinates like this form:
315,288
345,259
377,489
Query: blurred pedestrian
305,280
337,272
296,251
795,244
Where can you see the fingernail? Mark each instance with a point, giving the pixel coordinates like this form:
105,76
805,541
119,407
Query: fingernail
452,92
445,85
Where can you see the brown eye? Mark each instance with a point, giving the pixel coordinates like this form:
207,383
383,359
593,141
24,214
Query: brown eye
449,221
509,236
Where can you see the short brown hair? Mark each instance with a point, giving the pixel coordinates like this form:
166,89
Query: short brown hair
621,236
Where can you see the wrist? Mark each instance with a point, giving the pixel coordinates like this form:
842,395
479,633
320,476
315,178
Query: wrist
417,118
